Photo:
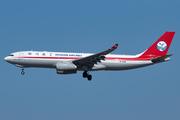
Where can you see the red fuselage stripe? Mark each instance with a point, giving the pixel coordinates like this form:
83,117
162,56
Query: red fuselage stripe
107,58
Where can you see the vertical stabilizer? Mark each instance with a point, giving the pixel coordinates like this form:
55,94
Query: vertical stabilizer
160,47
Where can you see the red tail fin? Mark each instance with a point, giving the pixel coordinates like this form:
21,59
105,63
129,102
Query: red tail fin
160,47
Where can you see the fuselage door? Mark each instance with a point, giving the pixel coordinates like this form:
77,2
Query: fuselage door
21,56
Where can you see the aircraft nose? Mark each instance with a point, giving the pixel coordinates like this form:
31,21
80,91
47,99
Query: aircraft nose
5,58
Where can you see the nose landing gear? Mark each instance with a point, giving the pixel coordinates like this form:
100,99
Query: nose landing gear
22,71
85,74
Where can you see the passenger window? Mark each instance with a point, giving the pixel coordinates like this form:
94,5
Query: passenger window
29,53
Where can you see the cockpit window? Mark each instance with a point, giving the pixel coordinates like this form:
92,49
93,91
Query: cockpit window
11,55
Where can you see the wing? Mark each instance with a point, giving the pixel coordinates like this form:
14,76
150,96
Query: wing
93,59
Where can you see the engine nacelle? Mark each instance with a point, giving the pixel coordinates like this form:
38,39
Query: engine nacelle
65,68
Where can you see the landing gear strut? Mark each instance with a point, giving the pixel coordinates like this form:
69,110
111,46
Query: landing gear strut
85,74
22,71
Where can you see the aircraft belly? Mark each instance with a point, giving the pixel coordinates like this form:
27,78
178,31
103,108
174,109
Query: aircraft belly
99,66
125,65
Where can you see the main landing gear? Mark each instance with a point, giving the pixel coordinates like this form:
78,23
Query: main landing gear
22,71
86,75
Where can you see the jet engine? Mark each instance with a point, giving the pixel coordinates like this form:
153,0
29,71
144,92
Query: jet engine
66,68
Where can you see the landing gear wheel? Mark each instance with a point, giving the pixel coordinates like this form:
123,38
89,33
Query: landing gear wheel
85,74
89,77
22,72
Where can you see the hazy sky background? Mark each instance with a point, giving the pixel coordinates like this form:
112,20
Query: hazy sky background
149,93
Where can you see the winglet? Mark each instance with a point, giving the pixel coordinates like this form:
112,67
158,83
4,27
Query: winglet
115,46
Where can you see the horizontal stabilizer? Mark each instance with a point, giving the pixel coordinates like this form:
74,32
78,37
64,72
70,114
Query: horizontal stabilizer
160,59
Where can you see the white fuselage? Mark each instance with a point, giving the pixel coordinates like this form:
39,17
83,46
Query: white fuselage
70,63
49,59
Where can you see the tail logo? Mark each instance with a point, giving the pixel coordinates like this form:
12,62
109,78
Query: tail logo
161,46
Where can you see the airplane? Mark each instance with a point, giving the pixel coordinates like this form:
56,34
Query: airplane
70,63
